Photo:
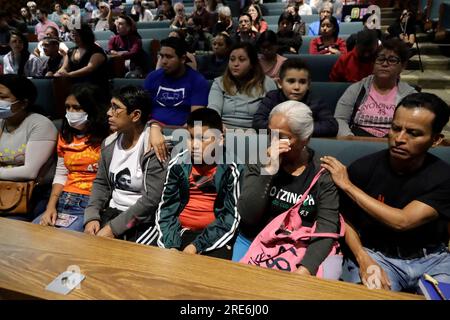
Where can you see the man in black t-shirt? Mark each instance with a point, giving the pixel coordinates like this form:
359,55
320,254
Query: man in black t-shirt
398,202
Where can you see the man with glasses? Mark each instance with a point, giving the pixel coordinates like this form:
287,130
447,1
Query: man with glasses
367,107
396,201
358,63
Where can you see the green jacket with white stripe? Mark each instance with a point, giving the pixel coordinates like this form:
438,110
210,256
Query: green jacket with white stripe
175,196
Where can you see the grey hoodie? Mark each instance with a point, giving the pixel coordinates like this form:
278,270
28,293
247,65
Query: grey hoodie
143,211
344,108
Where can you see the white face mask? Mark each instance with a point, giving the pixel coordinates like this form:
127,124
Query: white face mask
77,120
5,109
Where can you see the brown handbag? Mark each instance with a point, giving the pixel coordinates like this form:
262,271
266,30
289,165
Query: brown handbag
15,197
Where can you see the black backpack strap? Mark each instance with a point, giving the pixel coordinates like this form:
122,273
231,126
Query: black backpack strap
357,104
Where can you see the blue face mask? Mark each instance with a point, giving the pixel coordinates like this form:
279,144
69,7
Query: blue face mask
5,109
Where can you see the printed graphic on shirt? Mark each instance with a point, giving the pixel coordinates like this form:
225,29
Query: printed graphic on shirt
81,161
284,200
11,158
168,97
122,180
375,114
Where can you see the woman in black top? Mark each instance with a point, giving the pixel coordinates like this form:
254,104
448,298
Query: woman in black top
86,62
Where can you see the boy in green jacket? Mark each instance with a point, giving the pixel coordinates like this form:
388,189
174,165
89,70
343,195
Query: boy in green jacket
197,212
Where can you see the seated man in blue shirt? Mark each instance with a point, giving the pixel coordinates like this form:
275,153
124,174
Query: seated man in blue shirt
175,90
396,202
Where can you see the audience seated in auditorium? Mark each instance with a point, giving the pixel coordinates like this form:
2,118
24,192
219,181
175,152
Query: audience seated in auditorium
225,22
86,62
288,40
206,19
180,20
325,11
304,9
366,108
5,29
141,12
53,33
295,83
126,191
32,7
269,60
104,20
197,213
367,25
299,26
236,95
190,58
127,44
358,63
259,25
53,59
43,24
165,11
83,129
19,60
57,13
197,38
404,28
214,65
27,139
290,170
245,33
328,42
175,89
247,3
27,17
397,202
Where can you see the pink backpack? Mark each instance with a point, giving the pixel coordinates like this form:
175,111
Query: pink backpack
283,242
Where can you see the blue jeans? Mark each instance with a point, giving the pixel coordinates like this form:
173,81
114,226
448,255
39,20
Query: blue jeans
74,204
404,274
240,247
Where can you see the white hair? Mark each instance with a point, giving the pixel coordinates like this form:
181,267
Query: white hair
31,3
178,4
226,11
327,5
299,118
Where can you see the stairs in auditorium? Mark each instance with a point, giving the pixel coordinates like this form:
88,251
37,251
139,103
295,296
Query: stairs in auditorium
435,60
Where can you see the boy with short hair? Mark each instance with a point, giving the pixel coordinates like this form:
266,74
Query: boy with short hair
295,83
197,212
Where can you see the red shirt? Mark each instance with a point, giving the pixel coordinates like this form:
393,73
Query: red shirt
316,46
348,68
199,211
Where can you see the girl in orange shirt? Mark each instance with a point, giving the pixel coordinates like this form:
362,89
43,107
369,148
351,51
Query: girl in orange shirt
78,149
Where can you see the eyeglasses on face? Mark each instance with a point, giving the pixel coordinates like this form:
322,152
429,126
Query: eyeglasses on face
392,60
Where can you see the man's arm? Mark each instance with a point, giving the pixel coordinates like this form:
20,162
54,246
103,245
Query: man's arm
414,214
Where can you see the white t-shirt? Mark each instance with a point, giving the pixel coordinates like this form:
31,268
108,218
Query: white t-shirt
126,173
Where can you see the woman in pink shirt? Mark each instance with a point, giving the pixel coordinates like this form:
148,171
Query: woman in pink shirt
269,59
328,42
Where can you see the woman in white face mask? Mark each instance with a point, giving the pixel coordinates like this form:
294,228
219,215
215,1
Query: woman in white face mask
82,132
27,139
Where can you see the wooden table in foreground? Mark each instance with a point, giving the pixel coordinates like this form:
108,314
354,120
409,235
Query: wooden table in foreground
31,256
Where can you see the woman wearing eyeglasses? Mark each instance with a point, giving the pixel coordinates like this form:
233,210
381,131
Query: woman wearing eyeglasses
366,108
129,181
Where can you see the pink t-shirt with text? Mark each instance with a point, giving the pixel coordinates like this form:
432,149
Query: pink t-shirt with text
376,113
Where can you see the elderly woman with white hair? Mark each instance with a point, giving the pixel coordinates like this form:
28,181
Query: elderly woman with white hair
270,189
